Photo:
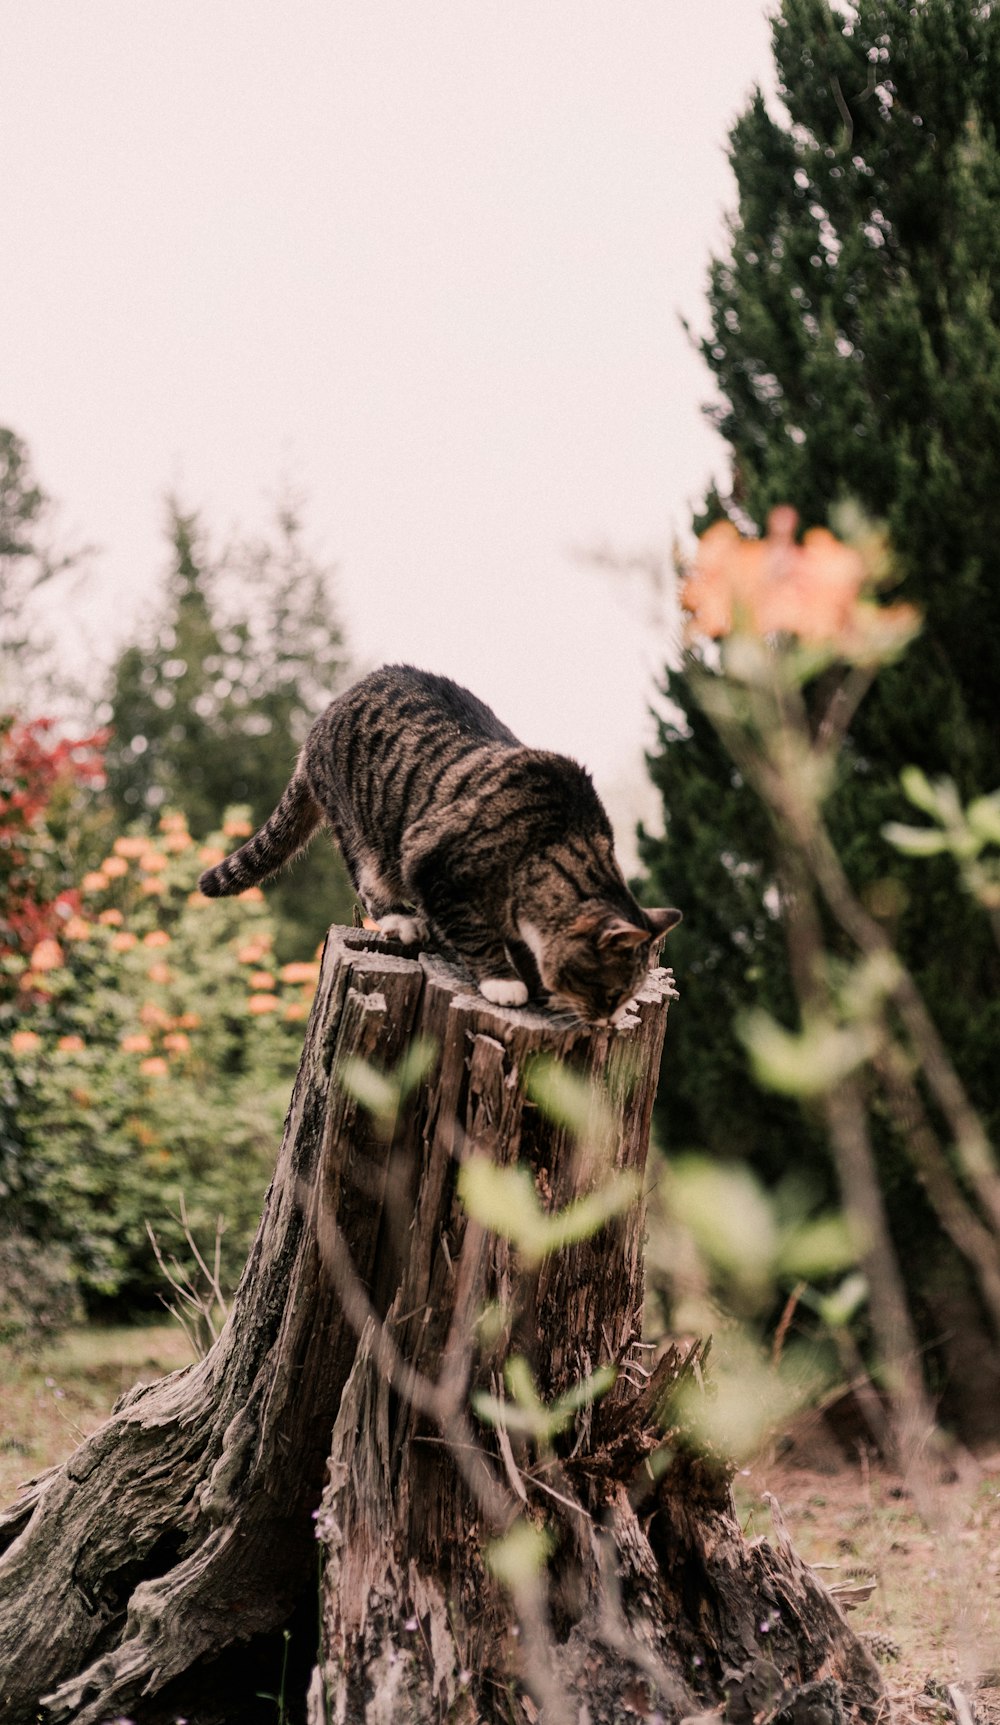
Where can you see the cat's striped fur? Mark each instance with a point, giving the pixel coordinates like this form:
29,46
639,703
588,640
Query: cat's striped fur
451,828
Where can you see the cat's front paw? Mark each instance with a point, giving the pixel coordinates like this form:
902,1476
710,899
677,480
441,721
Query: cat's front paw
409,929
504,991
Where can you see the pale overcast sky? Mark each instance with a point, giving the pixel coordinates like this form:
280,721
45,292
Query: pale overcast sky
426,261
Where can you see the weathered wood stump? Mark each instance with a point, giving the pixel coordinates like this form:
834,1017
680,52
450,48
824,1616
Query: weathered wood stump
153,1575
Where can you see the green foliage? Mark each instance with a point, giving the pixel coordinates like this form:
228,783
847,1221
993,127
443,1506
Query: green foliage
505,1201
209,708
963,833
384,1093
526,1414
724,1248
144,1056
38,1293
855,343
519,1556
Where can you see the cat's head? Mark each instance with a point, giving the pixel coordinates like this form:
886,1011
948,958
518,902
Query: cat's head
594,964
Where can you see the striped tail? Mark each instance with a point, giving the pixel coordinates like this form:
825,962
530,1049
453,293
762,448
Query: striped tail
281,837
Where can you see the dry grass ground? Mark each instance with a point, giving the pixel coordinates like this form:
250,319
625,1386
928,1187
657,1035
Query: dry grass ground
932,1617
52,1400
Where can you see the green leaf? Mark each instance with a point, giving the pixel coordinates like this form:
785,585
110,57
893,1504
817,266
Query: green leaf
505,1201
725,1209
570,1100
815,1249
526,1414
376,1091
804,1064
916,841
415,1064
921,793
983,816
520,1555
837,1309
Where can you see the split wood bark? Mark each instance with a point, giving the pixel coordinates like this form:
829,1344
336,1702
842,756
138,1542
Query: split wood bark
151,1577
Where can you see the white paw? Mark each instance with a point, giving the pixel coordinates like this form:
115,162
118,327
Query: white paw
504,991
408,929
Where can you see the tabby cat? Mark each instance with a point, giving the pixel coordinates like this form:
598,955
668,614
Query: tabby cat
452,829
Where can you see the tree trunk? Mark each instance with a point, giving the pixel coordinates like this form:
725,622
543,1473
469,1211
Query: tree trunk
155,1574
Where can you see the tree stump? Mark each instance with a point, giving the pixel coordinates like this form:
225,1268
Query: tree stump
154,1576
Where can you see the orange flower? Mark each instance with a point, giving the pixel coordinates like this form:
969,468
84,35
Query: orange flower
25,1042
114,867
130,847
210,855
299,972
154,1067
237,829
152,862
295,1010
188,1021
176,842
136,1043
252,895
261,1003
773,586
96,881
156,937
261,979
173,822
177,1041
155,1016
47,955
71,1044
111,918
198,900
77,928
123,941
161,974
153,886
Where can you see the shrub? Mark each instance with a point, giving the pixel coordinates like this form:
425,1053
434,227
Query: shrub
147,1052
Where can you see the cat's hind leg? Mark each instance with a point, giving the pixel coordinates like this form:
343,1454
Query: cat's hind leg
386,906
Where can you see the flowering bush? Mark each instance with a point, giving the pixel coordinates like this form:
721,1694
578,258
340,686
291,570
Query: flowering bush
41,778
147,1046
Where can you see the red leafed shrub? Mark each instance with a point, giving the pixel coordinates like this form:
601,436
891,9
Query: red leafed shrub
39,772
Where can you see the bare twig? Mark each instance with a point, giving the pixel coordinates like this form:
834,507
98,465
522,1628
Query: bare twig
198,1309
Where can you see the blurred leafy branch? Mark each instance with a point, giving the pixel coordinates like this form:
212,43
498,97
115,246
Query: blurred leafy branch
800,635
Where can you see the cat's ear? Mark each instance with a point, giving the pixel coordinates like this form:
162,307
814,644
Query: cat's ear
663,921
618,932
605,929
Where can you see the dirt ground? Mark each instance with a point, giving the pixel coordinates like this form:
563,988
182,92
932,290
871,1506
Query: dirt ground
922,1589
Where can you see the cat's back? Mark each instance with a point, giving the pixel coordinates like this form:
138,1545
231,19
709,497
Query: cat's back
399,703
386,747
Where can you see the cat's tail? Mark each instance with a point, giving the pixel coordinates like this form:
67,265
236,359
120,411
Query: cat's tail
281,837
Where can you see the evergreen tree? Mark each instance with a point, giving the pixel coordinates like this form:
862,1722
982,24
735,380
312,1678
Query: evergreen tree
209,708
855,341
29,559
